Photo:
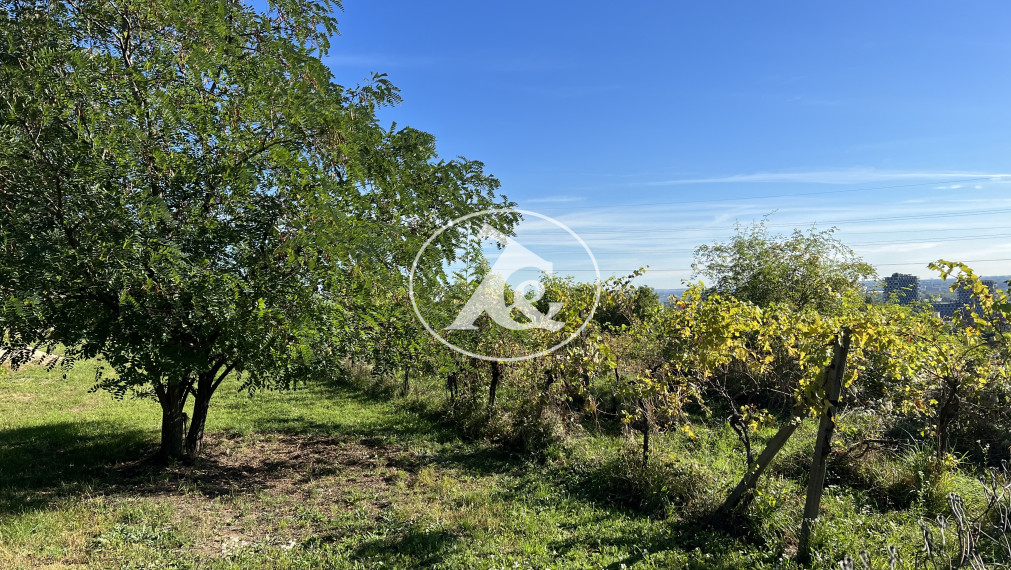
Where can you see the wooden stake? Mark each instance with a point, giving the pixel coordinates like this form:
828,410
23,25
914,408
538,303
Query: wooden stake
819,466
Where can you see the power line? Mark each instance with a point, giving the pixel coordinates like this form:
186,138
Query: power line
584,232
933,231
923,263
603,251
925,216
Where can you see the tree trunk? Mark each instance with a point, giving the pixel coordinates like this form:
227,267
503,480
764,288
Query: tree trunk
195,436
496,374
615,405
172,397
946,415
451,386
201,403
645,443
542,400
819,466
173,428
645,433
407,381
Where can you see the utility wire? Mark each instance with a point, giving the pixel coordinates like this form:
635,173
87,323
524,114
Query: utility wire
649,269
627,251
585,232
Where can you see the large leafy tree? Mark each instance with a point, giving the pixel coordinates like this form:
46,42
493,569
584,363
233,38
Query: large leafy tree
187,192
804,270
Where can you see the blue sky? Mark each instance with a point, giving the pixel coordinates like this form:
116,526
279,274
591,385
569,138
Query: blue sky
651,127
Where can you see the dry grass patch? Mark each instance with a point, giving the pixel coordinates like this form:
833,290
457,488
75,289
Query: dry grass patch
274,489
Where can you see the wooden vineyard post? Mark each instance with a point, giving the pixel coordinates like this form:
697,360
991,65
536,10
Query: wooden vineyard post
496,375
819,465
744,491
645,433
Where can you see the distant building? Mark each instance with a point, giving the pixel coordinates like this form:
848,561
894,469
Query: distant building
902,287
964,295
948,309
966,305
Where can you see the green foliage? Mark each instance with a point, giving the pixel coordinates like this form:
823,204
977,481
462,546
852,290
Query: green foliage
188,192
667,370
418,494
812,270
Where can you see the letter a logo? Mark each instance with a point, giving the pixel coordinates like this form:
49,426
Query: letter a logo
490,294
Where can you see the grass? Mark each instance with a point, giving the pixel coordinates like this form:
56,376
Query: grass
336,477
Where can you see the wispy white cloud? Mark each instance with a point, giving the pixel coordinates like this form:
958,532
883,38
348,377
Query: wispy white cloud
899,233
899,248
842,176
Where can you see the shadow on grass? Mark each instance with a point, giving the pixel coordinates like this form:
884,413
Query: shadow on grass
42,464
421,548
681,508
385,416
703,546
482,460
39,463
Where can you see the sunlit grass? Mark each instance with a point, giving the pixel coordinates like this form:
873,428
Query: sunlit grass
341,477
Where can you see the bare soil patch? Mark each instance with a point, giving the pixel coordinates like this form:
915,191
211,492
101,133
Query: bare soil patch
276,489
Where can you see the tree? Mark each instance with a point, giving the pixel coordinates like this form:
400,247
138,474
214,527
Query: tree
803,270
188,193
964,370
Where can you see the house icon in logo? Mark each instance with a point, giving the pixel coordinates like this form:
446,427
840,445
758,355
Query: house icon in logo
490,296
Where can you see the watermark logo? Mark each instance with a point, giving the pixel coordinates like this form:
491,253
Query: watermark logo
496,304
491,293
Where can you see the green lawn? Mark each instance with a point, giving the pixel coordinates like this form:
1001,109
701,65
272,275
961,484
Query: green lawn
335,477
